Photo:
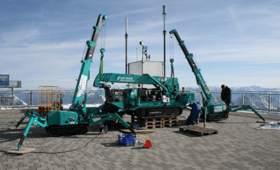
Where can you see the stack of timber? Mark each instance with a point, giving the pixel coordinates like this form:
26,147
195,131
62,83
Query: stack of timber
149,123
170,121
199,131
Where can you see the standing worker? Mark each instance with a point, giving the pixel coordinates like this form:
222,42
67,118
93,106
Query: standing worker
226,96
194,116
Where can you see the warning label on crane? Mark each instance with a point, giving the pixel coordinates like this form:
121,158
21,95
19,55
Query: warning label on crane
82,85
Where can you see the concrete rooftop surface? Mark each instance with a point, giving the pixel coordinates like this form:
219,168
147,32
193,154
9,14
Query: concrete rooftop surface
239,144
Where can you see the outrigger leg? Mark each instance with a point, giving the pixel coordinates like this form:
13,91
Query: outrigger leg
35,119
20,121
111,116
245,107
26,130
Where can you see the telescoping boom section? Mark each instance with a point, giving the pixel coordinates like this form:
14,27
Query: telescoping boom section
206,94
86,63
195,70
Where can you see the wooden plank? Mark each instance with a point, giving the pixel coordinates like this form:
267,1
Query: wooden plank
14,128
142,137
22,151
171,118
199,131
137,131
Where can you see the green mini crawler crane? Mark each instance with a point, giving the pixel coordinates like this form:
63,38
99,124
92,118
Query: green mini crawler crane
79,117
165,99
210,111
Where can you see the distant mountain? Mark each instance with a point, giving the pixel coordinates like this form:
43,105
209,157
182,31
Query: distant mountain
244,88
212,88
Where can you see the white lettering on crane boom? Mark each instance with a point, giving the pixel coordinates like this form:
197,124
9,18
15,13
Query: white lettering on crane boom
82,85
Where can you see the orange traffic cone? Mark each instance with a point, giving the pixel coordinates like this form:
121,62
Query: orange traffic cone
148,144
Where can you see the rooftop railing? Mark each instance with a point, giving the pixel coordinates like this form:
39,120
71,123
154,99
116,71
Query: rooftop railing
266,101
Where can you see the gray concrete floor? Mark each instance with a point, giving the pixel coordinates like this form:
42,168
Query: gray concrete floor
238,145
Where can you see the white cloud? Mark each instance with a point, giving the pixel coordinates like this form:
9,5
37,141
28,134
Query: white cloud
130,12
235,18
18,36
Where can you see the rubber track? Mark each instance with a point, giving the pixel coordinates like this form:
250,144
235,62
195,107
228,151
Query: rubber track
165,111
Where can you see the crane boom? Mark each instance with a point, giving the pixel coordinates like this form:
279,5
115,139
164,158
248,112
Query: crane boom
199,78
84,73
129,78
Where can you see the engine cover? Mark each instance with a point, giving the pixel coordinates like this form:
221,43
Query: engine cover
62,118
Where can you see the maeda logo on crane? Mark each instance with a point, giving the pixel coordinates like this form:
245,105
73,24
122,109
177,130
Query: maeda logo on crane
125,79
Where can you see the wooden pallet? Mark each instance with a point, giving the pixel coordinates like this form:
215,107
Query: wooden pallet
166,121
137,120
170,121
154,126
147,123
199,131
170,118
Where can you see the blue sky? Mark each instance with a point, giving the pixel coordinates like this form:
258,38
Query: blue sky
234,42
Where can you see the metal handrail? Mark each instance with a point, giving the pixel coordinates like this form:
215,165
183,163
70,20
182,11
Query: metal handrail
258,100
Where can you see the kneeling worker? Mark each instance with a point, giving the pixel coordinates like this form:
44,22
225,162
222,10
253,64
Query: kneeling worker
194,116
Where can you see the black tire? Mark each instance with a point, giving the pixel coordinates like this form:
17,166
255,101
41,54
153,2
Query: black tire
226,115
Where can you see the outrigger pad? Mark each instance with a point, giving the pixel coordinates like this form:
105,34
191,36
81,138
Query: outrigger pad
15,129
22,151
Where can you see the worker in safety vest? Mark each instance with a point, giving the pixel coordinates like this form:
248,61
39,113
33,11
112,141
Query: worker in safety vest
194,116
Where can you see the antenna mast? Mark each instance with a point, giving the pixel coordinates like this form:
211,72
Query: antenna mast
136,54
126,35
164,44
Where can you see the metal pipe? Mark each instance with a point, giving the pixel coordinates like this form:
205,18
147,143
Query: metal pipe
136,54
126,35
12,96
164,41
142,44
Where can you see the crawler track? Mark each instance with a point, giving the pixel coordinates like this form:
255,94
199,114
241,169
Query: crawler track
67,130
158,112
